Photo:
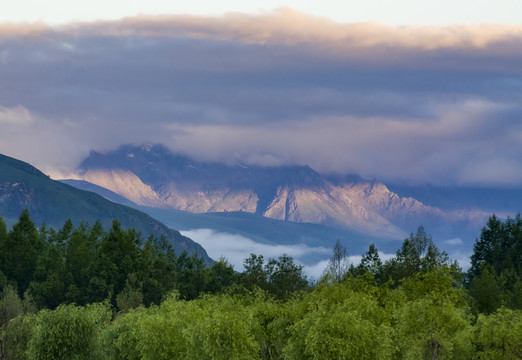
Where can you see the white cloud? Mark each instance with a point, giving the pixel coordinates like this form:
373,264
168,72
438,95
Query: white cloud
287,27
455,241
48,143
16,116
236,248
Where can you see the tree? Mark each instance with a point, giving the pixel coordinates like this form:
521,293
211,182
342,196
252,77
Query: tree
431,317
10,307
121,249
497,336
16,336
285,277
254,273
223,329
131,296
486,290
69,332
21,252
370,263
485,248
81,252
49,284
3,280
192,276
432,328
418,254
3,252
494,275
221,275
281,277
157,270
340,321
339,263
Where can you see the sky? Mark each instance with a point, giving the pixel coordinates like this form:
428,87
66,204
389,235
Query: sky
394,12
400,91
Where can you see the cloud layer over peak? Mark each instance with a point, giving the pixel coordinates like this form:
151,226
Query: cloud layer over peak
402,103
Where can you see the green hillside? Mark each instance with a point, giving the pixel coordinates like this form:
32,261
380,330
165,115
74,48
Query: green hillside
22,186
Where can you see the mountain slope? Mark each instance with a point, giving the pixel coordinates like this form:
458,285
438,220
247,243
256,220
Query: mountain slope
153,176
23,186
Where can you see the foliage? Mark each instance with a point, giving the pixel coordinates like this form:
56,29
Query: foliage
497,336
432,328
131,296
494,278
85,265
16,337
341,323
10,305
339,264
221,277
10,308
19,252
418,254
285,277
370,263
281,277
137,299
433,321
223,330
69,332
425,317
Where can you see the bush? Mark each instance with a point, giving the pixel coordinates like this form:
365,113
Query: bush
69,332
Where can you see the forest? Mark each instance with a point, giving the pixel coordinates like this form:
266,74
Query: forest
86,293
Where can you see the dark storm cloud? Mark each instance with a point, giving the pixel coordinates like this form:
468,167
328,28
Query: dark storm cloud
422,104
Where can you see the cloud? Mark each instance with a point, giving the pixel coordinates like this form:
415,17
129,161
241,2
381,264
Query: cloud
236,248
397,103
17,115
455,241
455,147
285,26
26,29
31,138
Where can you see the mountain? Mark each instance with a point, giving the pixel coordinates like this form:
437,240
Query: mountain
253,226
154,177
22,186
